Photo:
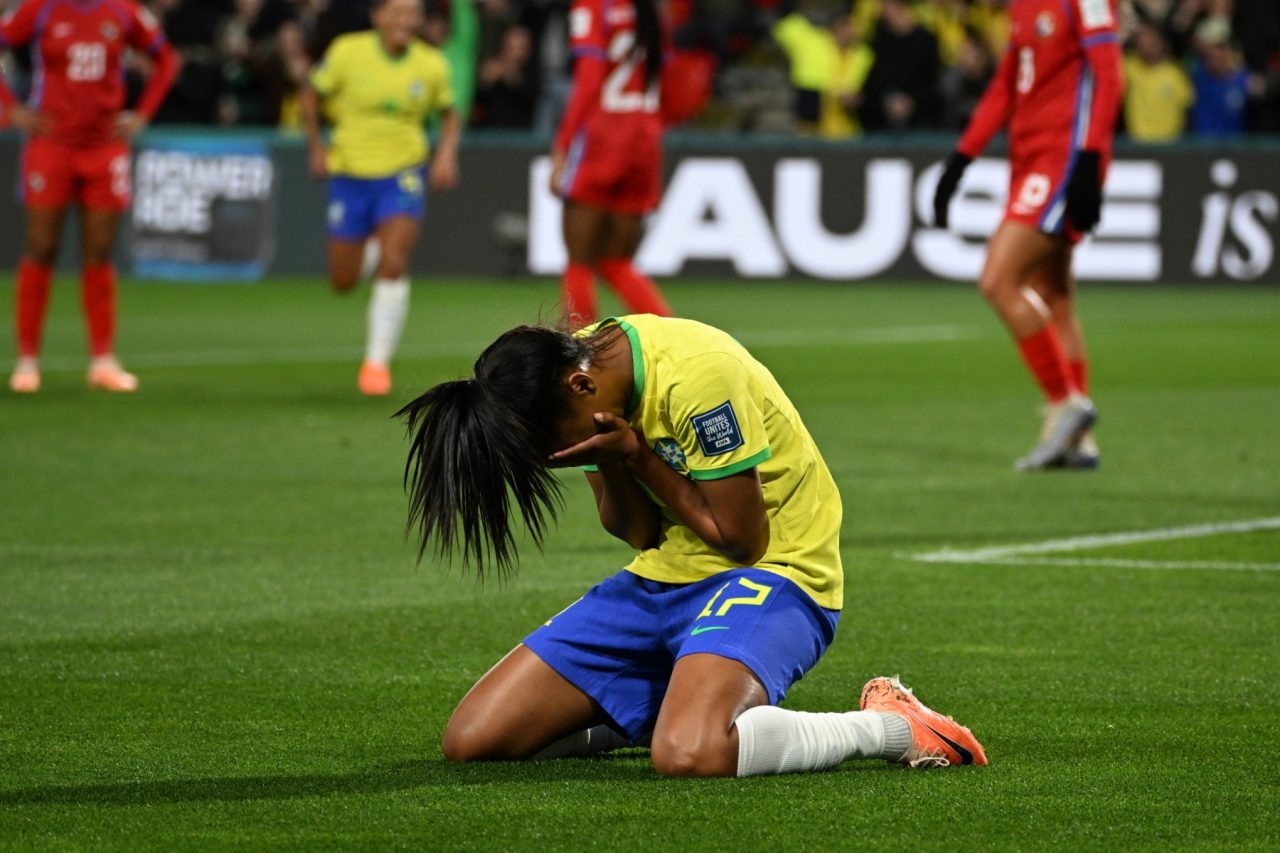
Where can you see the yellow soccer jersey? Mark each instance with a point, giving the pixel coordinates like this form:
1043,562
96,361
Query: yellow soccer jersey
379,103
711,410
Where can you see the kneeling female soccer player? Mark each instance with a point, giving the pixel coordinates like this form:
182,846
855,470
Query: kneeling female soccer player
699,461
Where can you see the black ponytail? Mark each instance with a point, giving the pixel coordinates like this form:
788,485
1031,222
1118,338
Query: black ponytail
478,443
649,37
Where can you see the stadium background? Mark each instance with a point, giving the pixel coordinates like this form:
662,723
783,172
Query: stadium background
1196,201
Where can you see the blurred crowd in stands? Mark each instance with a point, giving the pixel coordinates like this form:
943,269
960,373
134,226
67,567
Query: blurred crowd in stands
825,67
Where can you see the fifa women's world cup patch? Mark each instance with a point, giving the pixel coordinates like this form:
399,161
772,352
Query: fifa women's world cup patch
718,431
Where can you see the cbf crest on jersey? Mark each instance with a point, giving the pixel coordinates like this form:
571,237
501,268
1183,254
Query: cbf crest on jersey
1044,24
417,89
670,453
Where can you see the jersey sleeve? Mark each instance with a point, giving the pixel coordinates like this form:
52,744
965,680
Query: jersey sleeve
146,35
19,25
1096,30
326,76
789,32
442,85
587,43
717,416
145,32
586,30
992,112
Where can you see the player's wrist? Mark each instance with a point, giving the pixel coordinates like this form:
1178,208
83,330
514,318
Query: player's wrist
636,456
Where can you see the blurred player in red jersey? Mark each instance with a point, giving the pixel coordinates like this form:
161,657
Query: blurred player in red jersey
1058,89
607,156
78,153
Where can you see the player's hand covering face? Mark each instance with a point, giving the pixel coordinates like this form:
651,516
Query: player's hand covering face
613,440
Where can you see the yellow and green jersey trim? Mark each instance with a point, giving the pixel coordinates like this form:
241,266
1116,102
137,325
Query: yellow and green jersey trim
729,470
637,362
637,396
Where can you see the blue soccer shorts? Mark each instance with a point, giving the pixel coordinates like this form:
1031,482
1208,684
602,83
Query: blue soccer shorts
357,206
620,641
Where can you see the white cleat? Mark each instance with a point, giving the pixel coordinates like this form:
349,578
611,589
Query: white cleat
26,376
1064,424
1083,455
106,374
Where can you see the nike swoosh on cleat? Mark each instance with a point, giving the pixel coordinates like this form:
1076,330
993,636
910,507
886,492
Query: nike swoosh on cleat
696,631
966,757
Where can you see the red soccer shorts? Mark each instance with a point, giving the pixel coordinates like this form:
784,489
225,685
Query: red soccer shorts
621,173
1038,190
55,175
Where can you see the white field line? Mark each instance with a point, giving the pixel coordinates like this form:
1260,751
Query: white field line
1020,554
857,337
470,349
1107,562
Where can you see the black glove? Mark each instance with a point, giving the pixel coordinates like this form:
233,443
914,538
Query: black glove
1084,192
956,164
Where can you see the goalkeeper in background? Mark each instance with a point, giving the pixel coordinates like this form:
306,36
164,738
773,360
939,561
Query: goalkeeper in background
379,87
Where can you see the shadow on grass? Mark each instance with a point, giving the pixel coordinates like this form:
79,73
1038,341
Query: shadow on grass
403,776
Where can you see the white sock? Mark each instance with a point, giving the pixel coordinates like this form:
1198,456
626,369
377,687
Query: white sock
592,741
774,740
372,255
388,308
103,361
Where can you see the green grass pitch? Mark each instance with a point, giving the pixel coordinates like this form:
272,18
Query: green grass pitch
212,633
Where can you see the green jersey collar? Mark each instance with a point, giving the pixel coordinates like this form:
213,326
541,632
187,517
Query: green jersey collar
637,362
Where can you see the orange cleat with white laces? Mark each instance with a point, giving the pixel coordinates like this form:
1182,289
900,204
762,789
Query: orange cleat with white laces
26,377
106,374
936,740
374,379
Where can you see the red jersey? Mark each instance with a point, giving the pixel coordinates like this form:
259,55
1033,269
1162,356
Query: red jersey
78,50
609,87
1059,82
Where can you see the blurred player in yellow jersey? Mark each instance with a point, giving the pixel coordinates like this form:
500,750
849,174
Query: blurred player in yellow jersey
380,87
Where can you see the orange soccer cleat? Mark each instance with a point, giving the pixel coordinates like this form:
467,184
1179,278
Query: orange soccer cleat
374,380
106,374
936,740
26,377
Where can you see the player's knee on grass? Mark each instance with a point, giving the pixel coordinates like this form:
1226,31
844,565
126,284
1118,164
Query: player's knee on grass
465,741
694,754
461,743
